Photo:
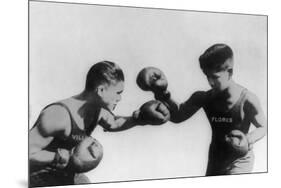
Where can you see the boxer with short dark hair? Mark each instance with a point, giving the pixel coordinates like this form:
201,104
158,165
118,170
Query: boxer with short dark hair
230,109
60,142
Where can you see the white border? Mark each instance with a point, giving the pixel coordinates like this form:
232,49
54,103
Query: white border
14,128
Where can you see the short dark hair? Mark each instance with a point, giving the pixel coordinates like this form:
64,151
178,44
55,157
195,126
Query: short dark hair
214,58
103,72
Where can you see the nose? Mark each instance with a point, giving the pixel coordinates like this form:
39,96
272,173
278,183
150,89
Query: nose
211,82
118,98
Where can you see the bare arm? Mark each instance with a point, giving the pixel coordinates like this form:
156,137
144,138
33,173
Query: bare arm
183,111
52,123
253,109
115,123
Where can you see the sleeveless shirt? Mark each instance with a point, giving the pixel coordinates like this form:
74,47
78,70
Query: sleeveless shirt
48,175
222,122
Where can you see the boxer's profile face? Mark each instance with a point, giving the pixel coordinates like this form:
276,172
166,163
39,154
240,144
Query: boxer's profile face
110,94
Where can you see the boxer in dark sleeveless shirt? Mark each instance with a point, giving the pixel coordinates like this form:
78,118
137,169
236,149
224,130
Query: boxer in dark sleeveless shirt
228,107
61,126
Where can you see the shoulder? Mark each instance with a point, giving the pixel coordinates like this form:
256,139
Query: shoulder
252,103
251,98
53,120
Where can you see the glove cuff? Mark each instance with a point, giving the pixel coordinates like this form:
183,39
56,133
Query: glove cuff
61,158
136,117
164,96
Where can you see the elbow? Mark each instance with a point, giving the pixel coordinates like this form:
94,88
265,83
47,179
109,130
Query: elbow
263,129
33,150
175,120
32,153
110,128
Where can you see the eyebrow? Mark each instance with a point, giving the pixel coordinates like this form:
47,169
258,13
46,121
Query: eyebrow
212,76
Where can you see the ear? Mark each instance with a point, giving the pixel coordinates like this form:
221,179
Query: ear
230,71
100,90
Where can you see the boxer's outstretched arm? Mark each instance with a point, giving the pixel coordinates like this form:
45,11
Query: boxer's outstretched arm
113,123
183,111
51,123
150,113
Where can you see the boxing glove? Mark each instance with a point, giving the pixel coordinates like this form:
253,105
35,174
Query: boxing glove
152,112
153,79
237,142
85,156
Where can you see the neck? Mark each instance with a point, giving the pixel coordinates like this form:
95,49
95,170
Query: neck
88,98
225,94
84,96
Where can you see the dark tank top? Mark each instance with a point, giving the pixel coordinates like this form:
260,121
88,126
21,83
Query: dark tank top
222,122
49,176
76,134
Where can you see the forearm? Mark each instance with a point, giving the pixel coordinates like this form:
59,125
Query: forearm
172,105
174,109
183,111
122,123
256,135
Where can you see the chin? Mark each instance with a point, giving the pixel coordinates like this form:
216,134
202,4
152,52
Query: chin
107,108
111,108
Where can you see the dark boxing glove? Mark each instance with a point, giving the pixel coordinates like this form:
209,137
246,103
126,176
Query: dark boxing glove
153,79
153,113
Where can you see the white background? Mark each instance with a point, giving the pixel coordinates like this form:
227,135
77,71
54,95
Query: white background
66,39
14,93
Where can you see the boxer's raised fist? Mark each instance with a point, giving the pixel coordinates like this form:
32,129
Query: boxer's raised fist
153,79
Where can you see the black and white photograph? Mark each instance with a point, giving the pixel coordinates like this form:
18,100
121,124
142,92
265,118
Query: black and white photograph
122,93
